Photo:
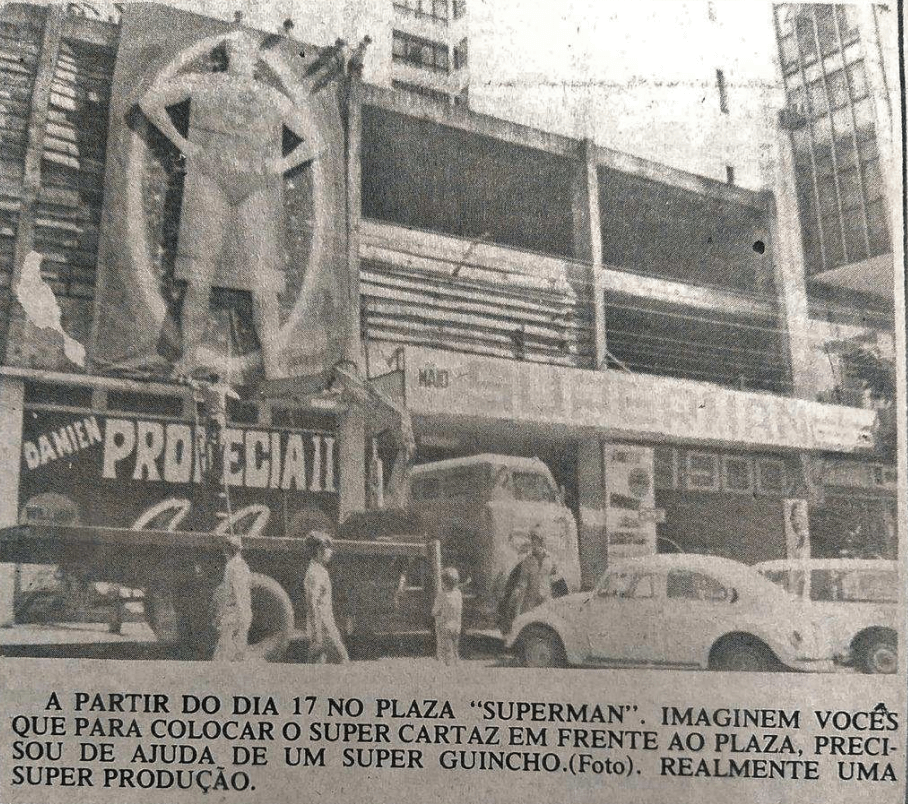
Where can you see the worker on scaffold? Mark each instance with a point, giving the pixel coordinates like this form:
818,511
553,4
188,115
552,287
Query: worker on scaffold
212,396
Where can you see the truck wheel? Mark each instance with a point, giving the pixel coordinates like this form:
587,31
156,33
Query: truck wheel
185,617
878,653
272,619
541,647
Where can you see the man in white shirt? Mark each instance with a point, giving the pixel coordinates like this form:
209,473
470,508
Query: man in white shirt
324,637
233,604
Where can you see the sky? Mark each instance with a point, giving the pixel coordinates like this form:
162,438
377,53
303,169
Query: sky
638,76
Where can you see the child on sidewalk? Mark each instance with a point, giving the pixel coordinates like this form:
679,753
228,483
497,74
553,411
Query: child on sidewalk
447,612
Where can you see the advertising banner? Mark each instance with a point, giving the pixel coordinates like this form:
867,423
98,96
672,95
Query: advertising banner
138,472
631,515
461,386
223,239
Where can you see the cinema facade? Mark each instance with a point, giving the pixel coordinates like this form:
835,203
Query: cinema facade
638,328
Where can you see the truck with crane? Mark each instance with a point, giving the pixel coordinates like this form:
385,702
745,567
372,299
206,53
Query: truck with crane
127,499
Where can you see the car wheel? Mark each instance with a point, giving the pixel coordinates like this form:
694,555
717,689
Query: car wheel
541,647
879,654
743,656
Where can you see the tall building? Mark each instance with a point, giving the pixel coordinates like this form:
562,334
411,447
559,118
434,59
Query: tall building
419,47
833,67
838,204
429,48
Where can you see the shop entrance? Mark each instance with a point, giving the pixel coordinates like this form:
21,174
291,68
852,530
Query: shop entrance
723,503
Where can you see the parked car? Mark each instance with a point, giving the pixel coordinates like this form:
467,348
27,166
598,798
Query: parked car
858,601
677,610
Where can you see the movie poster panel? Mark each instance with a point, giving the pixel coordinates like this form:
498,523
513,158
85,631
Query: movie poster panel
223,240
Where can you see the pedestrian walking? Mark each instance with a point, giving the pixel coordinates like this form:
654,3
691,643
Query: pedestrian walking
325,642
534,579
447,613
233,604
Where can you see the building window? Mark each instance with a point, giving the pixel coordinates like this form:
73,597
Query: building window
857,80
737,475
788,48
771,477
805,32
702,471
826,29
425,92
843,216
460,54
460,8
723,92
420,52
848,26
436,10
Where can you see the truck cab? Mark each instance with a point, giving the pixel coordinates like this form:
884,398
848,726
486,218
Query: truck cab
482,509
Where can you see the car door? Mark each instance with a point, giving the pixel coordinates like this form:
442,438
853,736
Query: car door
698,608
620,617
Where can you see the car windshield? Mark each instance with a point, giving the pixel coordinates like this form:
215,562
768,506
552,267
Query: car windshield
467,481
532,487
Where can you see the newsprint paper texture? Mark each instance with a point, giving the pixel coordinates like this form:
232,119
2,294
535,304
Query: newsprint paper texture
452,400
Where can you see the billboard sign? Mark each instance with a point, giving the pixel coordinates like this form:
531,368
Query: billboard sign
630,515
461,386
145,472
223,236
